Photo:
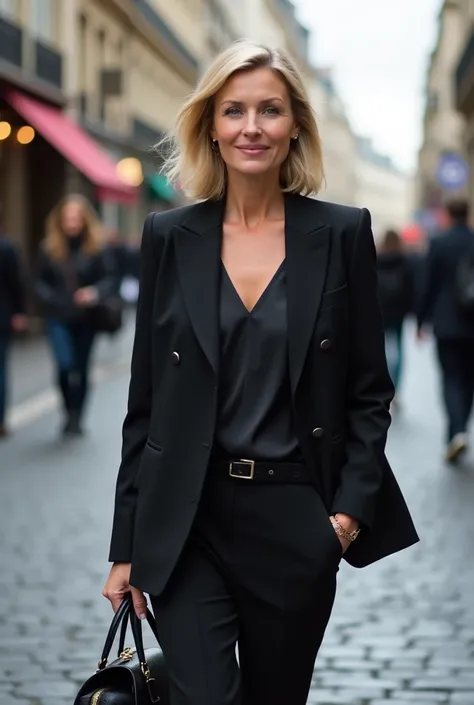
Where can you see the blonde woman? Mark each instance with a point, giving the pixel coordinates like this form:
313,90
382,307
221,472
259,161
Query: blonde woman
71,279
253,447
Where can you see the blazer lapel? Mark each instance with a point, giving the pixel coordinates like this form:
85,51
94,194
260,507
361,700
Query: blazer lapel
198,254
307,257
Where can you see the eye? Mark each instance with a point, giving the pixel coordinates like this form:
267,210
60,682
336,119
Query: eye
233,112
271,110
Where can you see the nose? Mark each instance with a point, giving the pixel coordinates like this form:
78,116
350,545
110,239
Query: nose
251,126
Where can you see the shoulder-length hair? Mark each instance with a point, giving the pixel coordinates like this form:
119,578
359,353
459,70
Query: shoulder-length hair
199,169
55,242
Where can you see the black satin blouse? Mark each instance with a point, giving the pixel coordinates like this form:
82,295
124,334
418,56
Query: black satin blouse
255,418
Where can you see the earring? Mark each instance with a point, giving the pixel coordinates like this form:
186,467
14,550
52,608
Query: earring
295,137
215,146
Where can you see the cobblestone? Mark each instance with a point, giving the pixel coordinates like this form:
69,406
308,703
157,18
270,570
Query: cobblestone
402,631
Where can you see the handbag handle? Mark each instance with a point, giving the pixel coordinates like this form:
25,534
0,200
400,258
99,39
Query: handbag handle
120,619
138,639
123,629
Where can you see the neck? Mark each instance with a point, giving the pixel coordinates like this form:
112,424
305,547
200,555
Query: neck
251,201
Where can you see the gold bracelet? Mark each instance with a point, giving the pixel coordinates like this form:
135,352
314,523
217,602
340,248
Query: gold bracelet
348,535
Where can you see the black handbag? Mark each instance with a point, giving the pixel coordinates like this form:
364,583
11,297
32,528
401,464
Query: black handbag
107,315
137,677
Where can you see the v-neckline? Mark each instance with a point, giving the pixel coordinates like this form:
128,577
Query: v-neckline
264,291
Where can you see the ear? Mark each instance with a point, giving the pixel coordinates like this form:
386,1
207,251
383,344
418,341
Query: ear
213,133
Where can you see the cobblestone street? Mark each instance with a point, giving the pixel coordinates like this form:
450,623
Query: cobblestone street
402,631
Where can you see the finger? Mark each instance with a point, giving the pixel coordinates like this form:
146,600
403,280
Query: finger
115,598
139,603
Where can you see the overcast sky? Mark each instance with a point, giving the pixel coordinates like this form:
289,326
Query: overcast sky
379,50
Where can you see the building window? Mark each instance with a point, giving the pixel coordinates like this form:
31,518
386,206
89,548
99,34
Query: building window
42,19
9,8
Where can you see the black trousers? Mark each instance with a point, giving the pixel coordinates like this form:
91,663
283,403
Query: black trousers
456,358
259,570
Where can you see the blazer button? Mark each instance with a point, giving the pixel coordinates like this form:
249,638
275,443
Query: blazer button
317,432
325,344
175,358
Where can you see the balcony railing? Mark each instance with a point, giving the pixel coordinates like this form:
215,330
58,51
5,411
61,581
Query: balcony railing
11,43
48,64
464,78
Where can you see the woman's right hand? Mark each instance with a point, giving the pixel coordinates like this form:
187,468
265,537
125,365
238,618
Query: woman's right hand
118,585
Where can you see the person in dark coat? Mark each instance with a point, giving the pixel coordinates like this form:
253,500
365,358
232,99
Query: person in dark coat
395,273
12,312
253,447
72,277
452,326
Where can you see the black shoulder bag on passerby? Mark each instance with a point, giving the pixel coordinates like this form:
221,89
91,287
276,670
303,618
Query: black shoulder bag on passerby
137,677
106,316
464,282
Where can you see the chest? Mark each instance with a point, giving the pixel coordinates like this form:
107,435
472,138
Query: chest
252,259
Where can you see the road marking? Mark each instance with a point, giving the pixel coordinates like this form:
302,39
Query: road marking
47,401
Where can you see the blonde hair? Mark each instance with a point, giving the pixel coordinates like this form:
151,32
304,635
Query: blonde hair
199,169
55,239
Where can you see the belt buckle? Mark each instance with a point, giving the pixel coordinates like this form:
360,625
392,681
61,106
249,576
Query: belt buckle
242,474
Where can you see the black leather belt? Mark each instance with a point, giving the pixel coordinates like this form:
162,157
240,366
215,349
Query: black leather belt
260,471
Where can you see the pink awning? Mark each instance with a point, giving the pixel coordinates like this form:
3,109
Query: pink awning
75,144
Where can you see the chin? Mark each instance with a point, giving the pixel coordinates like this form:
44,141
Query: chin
254,169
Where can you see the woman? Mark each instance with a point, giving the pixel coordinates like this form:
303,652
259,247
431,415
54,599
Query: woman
396,291
253,446
71,279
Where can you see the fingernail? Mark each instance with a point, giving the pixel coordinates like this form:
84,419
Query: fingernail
142,615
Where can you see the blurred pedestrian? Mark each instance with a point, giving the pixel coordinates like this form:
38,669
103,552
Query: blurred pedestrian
396,293
453,324
253,447
72,278
12,312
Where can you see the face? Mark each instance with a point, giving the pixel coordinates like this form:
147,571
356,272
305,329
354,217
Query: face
254,122
72,219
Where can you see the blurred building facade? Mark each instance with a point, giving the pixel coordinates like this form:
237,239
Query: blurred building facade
99,83
338,139
382,188
443,123
462,83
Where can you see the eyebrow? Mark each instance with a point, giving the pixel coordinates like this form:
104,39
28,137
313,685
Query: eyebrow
239,103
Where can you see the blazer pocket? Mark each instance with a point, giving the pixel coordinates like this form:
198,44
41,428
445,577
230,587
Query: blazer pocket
334,297
154,445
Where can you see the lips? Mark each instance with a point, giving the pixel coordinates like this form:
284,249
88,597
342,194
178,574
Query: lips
253,148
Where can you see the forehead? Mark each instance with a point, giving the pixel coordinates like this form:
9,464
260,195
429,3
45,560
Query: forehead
72,207
254,84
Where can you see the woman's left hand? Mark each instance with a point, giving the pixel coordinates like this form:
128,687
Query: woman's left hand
349,524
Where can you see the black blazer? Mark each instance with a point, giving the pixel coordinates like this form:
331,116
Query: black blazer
437,302
55,283
12,293
341,392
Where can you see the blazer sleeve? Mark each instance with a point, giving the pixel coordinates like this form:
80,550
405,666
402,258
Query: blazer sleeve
369,390
137,420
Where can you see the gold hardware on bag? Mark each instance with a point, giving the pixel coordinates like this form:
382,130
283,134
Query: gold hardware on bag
102,664
127,654
96,695
150,682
